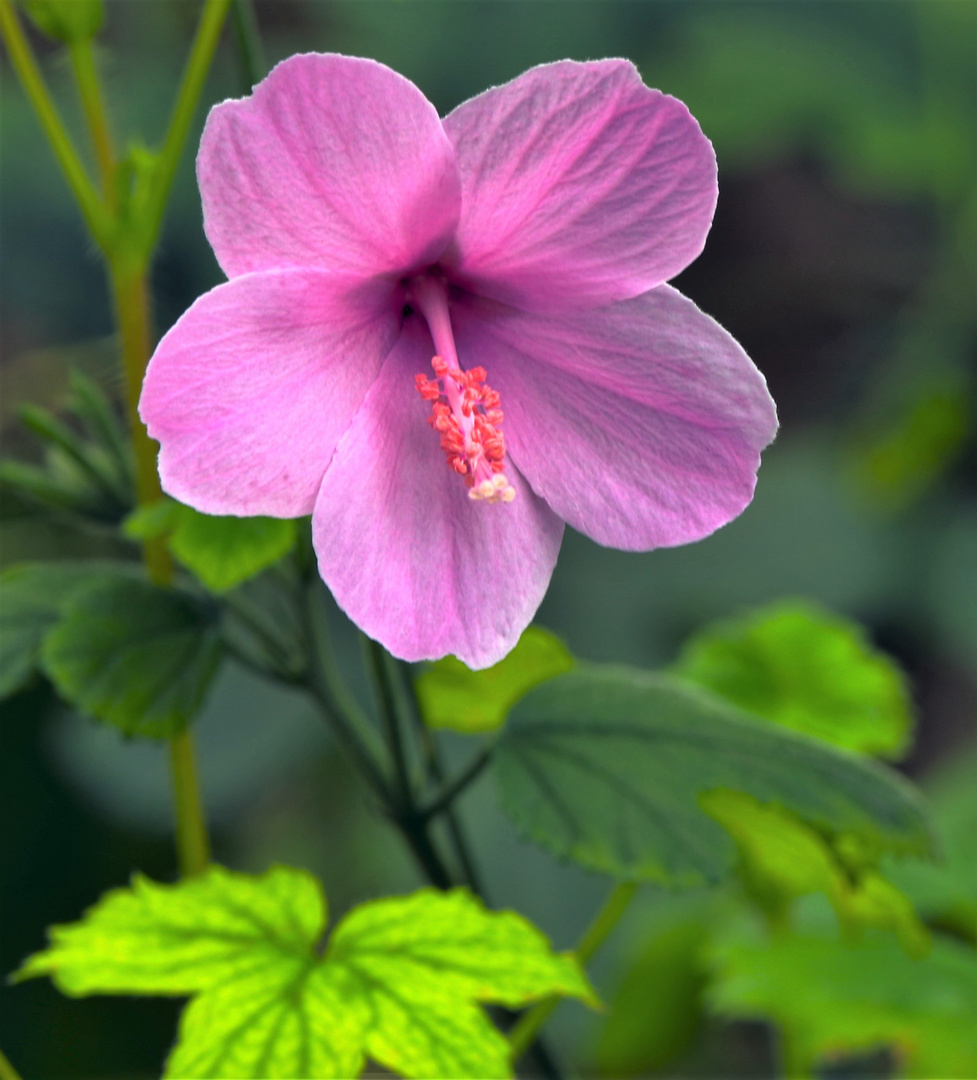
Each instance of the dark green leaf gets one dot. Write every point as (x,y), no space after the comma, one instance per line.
(134,655)
(606,766)
(451,695)
(104,426)
(795,664)
(34,597)
(92,459)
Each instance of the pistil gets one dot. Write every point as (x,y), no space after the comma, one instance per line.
(464,408)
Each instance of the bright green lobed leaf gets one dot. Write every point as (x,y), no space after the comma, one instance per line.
(180,939)
(134,655)
(605,766)
(799,666)
(399,981)
(451,695)
(221,551)
(33,597)
(837,998)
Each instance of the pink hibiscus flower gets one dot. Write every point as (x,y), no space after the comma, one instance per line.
(497,276)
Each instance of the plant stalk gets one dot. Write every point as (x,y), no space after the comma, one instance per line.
(606,919)
(86,76)
(251,52)
(130,294)
(96,215)
(192,843)
(198,64)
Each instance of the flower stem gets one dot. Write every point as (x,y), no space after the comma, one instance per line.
(413,823)
(341,709)
(444,799)
(86,76)
(194,74)
(93,210)
(377,662)
(436,775)
(607,918)
(192,844)
(130,294)
(249,42)
(7,1071)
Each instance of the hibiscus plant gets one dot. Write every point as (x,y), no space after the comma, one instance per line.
(441,339)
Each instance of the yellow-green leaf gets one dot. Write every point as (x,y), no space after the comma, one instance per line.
(782,857)
(453,696)
(221,551)
(400,979)
(836,998)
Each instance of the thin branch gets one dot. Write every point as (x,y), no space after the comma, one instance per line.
(93,210)
(194,75)
(444,799)
(527,1030)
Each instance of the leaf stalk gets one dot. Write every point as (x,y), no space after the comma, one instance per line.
(606,919)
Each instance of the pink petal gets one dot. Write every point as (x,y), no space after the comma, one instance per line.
(580,185)
(640,423)
(333,162)
(410,558)
(251,390)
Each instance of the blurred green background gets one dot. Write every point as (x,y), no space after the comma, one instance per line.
(843,258)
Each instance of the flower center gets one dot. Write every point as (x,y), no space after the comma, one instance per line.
(464,409)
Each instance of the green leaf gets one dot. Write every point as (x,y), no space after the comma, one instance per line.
(657,1009)
(221,551)
(783,858)
(399,980)
(35,596)
(835,998)
(606,766)
(86,456)
(453,696)
(946,892)
(92,406)
(67,20)
(799,666)
(134,655)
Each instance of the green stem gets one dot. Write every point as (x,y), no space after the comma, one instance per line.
(436,775)
(794,1064)
(413,824)
(249,42)
(339,706)
(194,74)
(192,845)
(444,799)
(7,1071)
(130,294)
(86,76)
(93,210)
(607,918)
(378,659)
